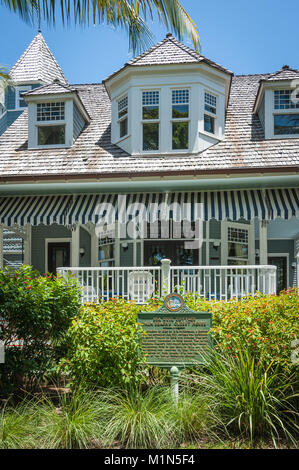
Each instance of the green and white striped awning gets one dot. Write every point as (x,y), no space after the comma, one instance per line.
(266,204)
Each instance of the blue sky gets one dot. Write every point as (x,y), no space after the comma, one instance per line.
(256,36)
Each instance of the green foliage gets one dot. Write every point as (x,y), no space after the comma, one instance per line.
(17,425)
(103,345)
(266,324)
(138,420)
(72,423)
(250,399)
(35,313)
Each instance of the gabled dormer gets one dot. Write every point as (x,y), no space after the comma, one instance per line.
(37,66)
(56,115)
(277,104)
(169,100)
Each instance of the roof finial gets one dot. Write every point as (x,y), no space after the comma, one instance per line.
(39,21)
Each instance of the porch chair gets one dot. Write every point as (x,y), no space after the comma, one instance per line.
(141,286)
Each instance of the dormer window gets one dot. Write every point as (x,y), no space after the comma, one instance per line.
(49,132)
(180,119)
(150,120)
(123,116)
(286,121)
(210,107)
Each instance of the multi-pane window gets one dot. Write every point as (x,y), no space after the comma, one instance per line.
(50,111)
(106,253)
(210,106)
(237,239)
(285,99)
(150,118)
(180,119)
(123,116)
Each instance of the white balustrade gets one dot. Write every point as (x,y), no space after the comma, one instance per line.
(140,283)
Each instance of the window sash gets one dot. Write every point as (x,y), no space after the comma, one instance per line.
(283,124)
(283,100)
(53,111)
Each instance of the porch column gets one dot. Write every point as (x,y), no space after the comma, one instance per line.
(94,246)
(27,244)
(263,242)
(75,257)
(1,246)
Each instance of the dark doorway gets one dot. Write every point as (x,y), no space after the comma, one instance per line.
(58,256)
(155,251)
(282,278)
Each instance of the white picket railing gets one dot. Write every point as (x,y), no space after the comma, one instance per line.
(140,283)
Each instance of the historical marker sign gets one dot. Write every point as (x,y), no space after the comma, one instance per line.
(175,334)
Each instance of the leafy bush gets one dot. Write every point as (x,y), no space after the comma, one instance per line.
(265,324)
(103,345)
(35,313)
(250,399)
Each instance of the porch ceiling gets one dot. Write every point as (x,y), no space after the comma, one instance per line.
(265,204)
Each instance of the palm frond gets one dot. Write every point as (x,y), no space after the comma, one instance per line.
(130,15)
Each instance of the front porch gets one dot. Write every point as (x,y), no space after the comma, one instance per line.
(221,244)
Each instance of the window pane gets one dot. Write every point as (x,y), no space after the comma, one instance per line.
(209,124)
(123,127)
(284,99)
(151,136)
(51,135)
(180,111)
(50,111)
(180,135)
(123,107)
(150,112)
(22,103)
(286,124)
(210,109)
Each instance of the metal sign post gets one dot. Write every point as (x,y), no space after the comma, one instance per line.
(176,337)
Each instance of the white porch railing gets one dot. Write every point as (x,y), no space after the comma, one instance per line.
(140,283)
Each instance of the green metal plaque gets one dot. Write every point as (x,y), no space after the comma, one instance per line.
(175,335)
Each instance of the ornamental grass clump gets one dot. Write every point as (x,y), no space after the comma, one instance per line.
(18,425)
(72,423)
(251,400)
(134,419)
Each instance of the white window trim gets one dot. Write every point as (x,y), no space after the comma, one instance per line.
(173,120)
(208,113)
(275,112)
(225,224)
(150,121)
(34,124)
(20,89)
(122,118)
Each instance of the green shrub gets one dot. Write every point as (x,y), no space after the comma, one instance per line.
(35,313)
(103,345)
(250,399)
(265,324)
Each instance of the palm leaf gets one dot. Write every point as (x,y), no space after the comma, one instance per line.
(130,15)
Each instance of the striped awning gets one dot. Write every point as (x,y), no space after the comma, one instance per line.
(266,204)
